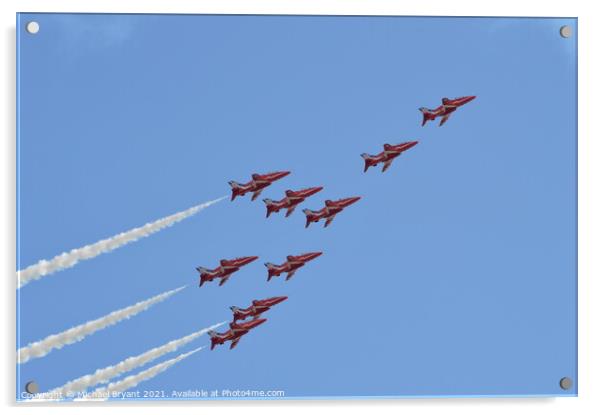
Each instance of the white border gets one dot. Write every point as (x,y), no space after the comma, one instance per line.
(590,201)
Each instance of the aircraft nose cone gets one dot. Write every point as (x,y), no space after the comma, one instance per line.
(280,299)
(354,199)
(283,173)
(252,258)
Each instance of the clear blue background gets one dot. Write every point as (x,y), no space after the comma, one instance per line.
(456,272)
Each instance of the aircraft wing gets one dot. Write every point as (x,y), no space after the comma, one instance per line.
(387,150)
(387,164)
(443,119)
(328,220)
(234,343)
(290,275)
(256,194)
(223,281)
(289,211)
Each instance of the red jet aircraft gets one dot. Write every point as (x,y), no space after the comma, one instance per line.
(329,211)
(256,185)
(445,110)
(225,270)
(256,308)
(290,201)
(237,330)
(387,156)
(292,264)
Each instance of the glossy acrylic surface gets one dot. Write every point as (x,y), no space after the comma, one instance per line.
(455,273)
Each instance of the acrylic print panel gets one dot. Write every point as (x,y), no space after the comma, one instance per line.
(453,275)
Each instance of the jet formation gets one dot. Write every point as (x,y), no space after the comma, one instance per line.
(238,330)
(292,264)
(447,107)
(291,200)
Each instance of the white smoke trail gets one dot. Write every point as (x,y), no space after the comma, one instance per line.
(56,341)
(105,374)
(69,259)
(116,388)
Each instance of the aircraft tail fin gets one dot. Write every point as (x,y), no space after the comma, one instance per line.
(235,311)
(204,275)
(366,158)
(269,204)
(212,334)
(309,216)
(271,267)
(426,115)
(236,187)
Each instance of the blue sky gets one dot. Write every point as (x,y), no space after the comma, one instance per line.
(456,272)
